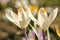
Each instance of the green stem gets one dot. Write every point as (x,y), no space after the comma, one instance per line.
(48,34)
(34,31)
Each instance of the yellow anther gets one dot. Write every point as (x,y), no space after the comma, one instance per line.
(19,10)
(34,8)
(58,32)
(43,10)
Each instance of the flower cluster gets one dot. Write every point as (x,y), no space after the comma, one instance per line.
(27,13)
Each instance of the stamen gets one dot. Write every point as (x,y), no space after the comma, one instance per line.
(43,10)
(19,10)
(34,8)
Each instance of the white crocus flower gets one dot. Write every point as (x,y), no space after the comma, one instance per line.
(13,17)
(44,20)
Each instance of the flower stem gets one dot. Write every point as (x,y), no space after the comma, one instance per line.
(43,35)
(35,31)
(25,32)
(48,34)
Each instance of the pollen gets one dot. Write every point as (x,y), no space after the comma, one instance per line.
(58,32)
(34,8)
(19,10)
(43,10)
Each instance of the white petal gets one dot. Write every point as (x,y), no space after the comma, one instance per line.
(24,23)
(20,16)
(25,19)
(31,16)
(9,16)
(45,13)
(34,13)
(52,16)
(24,13)
(41,19)
(14,16)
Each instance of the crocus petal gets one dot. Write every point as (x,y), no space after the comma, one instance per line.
(24,13)
(52,16)
(31,16)
(41,18)
(43,11)
(24,23)
(14,16)
(34,13)
(11,17)
(25,19)
(19,16)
